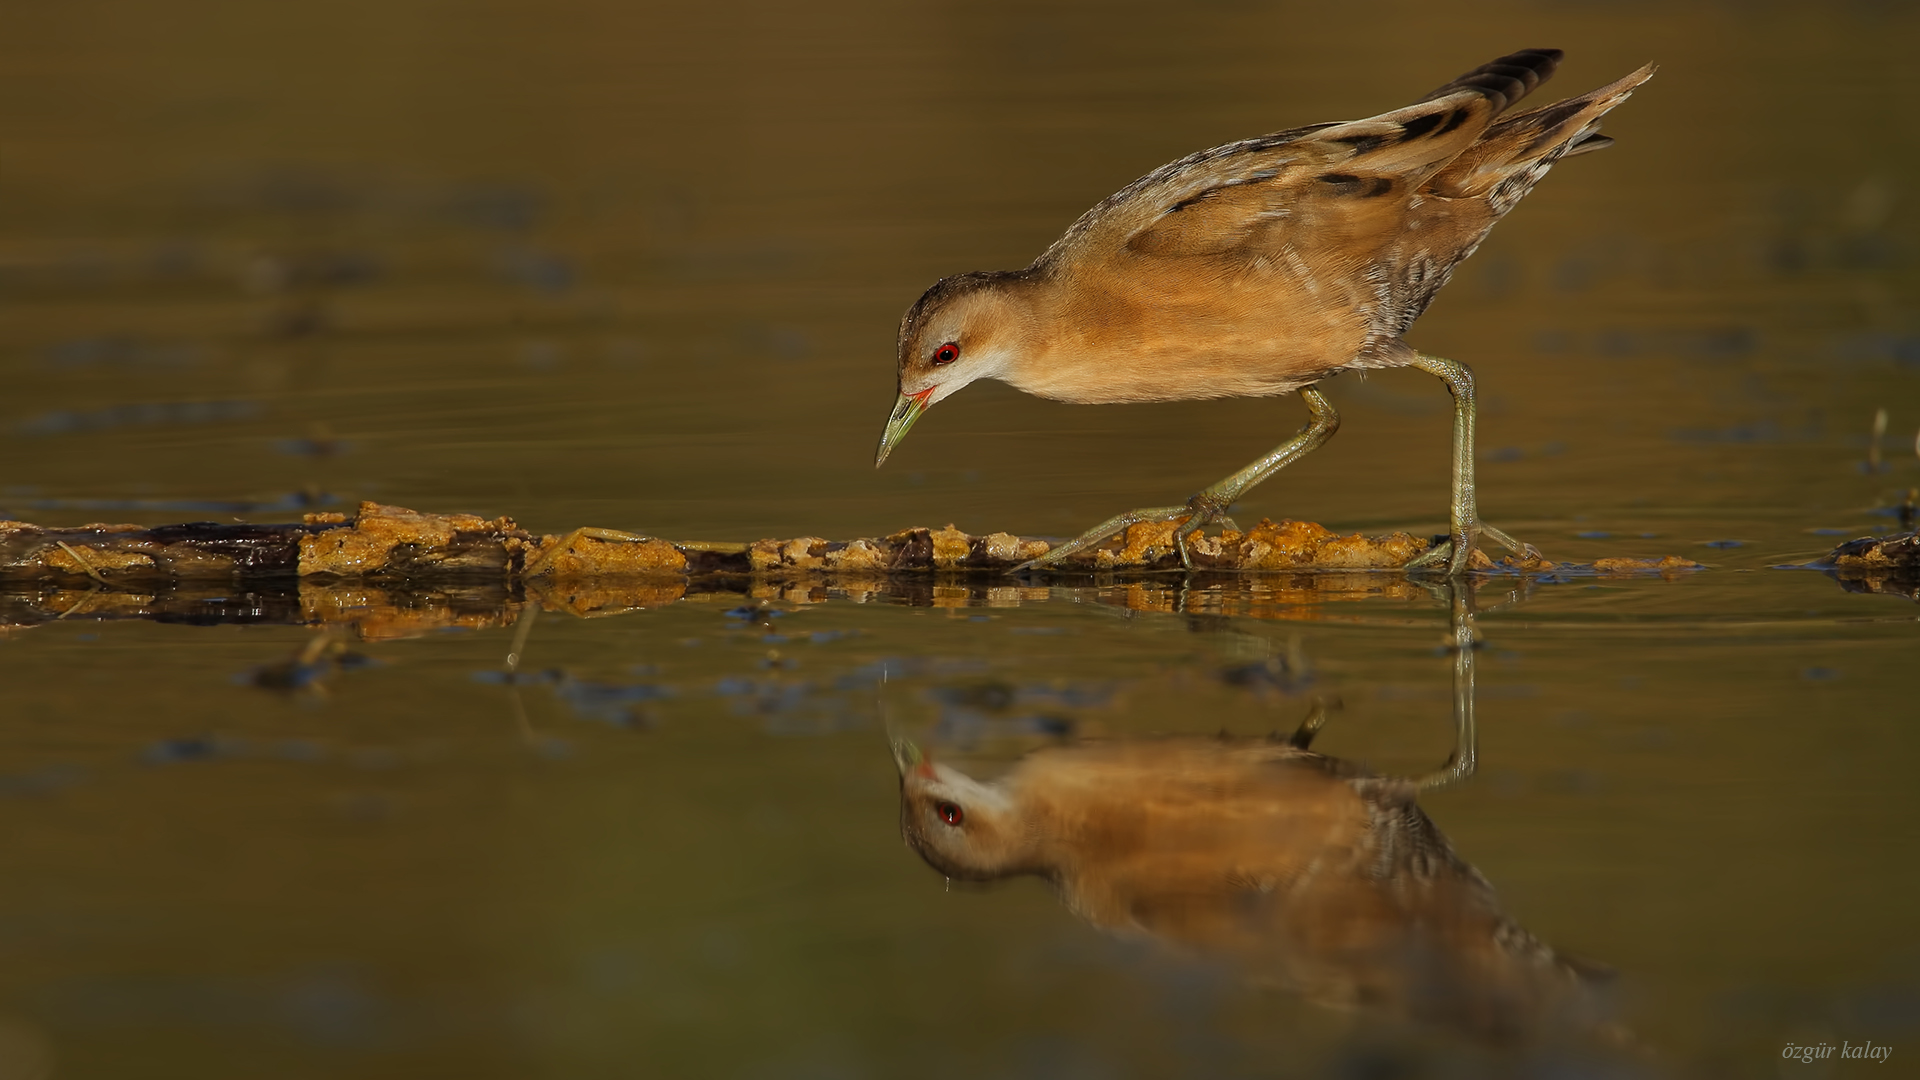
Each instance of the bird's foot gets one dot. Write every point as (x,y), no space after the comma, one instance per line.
(1456,556)
(1201,510)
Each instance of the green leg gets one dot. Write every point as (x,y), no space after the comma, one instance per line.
(1462,762)
(1211,505)
(1465,516)
(522,630)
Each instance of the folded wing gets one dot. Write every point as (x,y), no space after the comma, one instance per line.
(1341,187)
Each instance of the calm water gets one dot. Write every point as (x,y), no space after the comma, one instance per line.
(642,268)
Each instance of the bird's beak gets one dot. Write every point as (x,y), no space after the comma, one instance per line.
(909,759)
(905,412)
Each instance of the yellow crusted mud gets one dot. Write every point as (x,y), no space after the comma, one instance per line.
(391,544)
(584,555)
(370,542)
(1615,567)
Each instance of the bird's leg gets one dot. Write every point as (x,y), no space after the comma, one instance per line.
(1465,514)
(1211,504)
(1463,644)
(522,630)
(1115,524)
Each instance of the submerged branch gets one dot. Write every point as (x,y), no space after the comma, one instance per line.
(388,544)
(1877,564)
(388,572)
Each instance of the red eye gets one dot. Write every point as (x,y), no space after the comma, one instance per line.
(950,813)
(946,354)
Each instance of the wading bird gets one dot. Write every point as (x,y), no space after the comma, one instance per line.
(1312,875)
(1260,268)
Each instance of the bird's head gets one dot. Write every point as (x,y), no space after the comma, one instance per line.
(962,329)
(963,828)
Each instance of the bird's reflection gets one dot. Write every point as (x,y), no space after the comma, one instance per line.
(1314,875)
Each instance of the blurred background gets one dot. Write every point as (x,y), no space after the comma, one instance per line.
(641,266)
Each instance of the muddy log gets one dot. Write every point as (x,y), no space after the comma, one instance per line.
(388,544)
(1882,564)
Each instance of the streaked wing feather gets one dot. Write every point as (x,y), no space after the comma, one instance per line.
(1341,184)
(1180,184)
(1344,184)
(1588,142)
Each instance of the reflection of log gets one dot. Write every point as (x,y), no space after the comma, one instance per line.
(390,544)
(378,612)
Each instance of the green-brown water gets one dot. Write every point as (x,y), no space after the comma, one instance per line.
(641,267)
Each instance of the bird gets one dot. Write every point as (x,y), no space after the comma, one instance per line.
(1260,268)
(1314,876)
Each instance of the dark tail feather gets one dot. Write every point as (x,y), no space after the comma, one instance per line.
(1410,142)
(1507,79)
(1520,147)
(1588,143)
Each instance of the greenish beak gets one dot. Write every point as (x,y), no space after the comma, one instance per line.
(906,755)
(905,412)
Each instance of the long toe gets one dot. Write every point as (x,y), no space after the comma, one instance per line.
(1523,552)
(1440,555)
(1113,526)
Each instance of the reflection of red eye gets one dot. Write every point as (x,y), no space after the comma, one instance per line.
(946,354)
(950,813)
